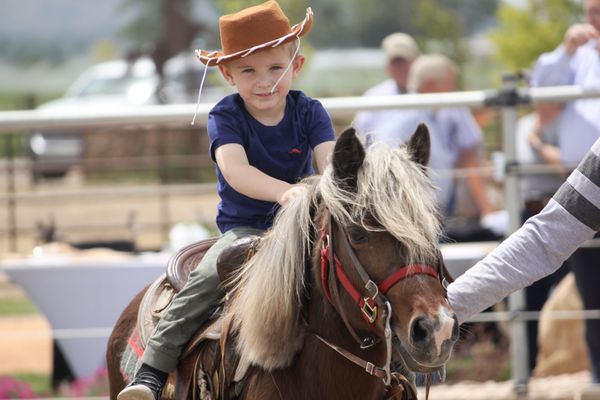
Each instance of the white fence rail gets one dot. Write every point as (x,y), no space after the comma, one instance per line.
(13,121)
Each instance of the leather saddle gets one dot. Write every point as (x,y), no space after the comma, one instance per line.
(161,292)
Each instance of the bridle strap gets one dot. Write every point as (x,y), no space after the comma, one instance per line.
(369,367)
(333,292)
(371,299)
(399,380)
(405,272)
(332,272)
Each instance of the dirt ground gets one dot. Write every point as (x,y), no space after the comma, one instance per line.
(25,340)
(25,345)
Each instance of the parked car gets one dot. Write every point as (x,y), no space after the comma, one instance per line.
(117,84)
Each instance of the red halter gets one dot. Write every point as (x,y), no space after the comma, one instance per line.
(367,303)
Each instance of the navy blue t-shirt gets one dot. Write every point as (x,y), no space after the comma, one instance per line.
(283,152)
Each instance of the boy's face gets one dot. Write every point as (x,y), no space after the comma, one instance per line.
(255,75)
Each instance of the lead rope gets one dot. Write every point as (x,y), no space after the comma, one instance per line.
(388,345)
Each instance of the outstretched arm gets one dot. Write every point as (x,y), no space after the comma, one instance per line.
(539,247)
(246,179)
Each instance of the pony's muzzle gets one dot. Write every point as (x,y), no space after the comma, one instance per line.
(434,337)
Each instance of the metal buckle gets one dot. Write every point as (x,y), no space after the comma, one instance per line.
(372,288)
(325,242)
(368,311)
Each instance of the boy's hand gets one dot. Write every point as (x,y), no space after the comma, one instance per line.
(289,194)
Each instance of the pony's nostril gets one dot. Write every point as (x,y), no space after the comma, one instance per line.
(420,330)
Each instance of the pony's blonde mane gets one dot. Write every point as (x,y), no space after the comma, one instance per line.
(266,310)
(397,193)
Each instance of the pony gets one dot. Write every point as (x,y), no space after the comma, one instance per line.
(344,296)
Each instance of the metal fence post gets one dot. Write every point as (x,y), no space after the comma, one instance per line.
(516,301)
(11,203)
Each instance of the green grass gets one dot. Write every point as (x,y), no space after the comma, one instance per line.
(23,101)
(16,306)
(40,383)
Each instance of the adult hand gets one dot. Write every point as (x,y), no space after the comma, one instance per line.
(577,35)
(291,193)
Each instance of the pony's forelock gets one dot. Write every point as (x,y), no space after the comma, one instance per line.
(396,193)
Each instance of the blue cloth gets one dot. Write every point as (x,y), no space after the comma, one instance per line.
(580,124)
(283,152)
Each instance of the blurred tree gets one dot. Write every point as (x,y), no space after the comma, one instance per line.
(163,29)
(294,9)
(146,27)
(441,27)
(525,33)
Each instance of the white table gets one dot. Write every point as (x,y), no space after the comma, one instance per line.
(82,299)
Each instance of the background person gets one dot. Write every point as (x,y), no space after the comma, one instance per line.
(456,139)
(537,140)
(400,51)
(539,247)
(577,62)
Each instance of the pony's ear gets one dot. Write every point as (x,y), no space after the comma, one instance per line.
(348,156)
(419,145)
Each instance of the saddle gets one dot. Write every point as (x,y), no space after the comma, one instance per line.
(160,294)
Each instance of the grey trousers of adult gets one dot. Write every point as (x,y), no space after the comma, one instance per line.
(191,307)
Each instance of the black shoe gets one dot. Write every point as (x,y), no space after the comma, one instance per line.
(146,385)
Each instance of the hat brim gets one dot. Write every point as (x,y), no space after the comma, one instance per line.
(213,58)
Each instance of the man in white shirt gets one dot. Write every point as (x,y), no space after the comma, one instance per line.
(400,51)
(456,139)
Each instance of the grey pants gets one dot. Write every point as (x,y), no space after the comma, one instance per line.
(191,307)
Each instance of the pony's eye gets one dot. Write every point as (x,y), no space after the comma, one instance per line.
(358,235)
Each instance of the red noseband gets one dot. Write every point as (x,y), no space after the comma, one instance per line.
(367,303)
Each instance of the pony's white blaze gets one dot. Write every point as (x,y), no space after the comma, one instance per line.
(446,327)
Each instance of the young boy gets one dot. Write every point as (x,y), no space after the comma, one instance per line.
(262,139)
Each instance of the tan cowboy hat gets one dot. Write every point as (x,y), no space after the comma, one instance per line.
(254,29)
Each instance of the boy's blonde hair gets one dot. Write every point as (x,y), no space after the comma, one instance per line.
(428,67)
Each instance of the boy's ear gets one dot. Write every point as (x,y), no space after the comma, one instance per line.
(297,65)
(226,74)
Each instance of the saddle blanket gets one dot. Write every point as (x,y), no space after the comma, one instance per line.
(131,359)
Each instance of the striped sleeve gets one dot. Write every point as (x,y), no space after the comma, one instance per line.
(580,194)
(539,247)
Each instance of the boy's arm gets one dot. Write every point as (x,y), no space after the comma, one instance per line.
(322,154)
(246,179)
